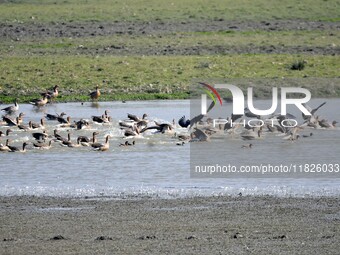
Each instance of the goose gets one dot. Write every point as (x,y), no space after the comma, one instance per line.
(324,123)
(5,148)
(160,127)
(196,120)
(235,117)
(249,114)
(199,135)
(247,146)
(44,146)
(17,149)
(280,127)
(11,109)
(105,118)
(85,141)
(180,143)
(228,125)
(182,137)
(293,134)
(251,134)
(54,117)
(183,122)
(135,118)
(67,123)
(39,102)
(142,124)
(81,124)
(139,122)
(38,125)
(40,136)
(68,142)
(59,137)
(20,118)
(292,137)
(310,134)
(312,122)
(131,144)
(132,132)
(233,129)
(271,128)
(95,94)
(312,111)
(102,146)
(7,132)
(210,131)
(62,120)
(24,127)
(124,144)
(52,94)
(124,125)
(100,119)
(127,143)
(9,121)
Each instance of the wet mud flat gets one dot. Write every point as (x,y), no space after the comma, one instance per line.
(201,225)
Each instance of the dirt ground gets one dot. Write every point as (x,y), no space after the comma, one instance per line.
(211,225)
(92,29)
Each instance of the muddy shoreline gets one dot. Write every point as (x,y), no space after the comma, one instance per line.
(201,225)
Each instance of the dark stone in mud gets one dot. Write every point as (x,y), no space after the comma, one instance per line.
(58,237)
(191,237)
(237,235)
(146,237)
(280,237)
(328,236)
(103,238)
(8,239)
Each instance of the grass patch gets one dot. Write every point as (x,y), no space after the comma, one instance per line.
(134,66)
(148,76)
(41,11)
(298,65)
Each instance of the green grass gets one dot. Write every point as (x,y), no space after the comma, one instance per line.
(30,65)
(139,76)
(41,11)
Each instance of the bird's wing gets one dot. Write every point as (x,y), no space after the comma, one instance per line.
(132,117)
(211,106)
(196,119)
(200,134)
(147,128)
(317,108)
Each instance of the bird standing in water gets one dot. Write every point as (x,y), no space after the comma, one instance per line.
(11,109)
(95,94)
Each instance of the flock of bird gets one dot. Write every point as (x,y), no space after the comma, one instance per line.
(199,128)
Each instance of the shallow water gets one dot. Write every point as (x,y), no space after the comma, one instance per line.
(155,166)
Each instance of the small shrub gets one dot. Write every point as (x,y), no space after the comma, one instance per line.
(298,65)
